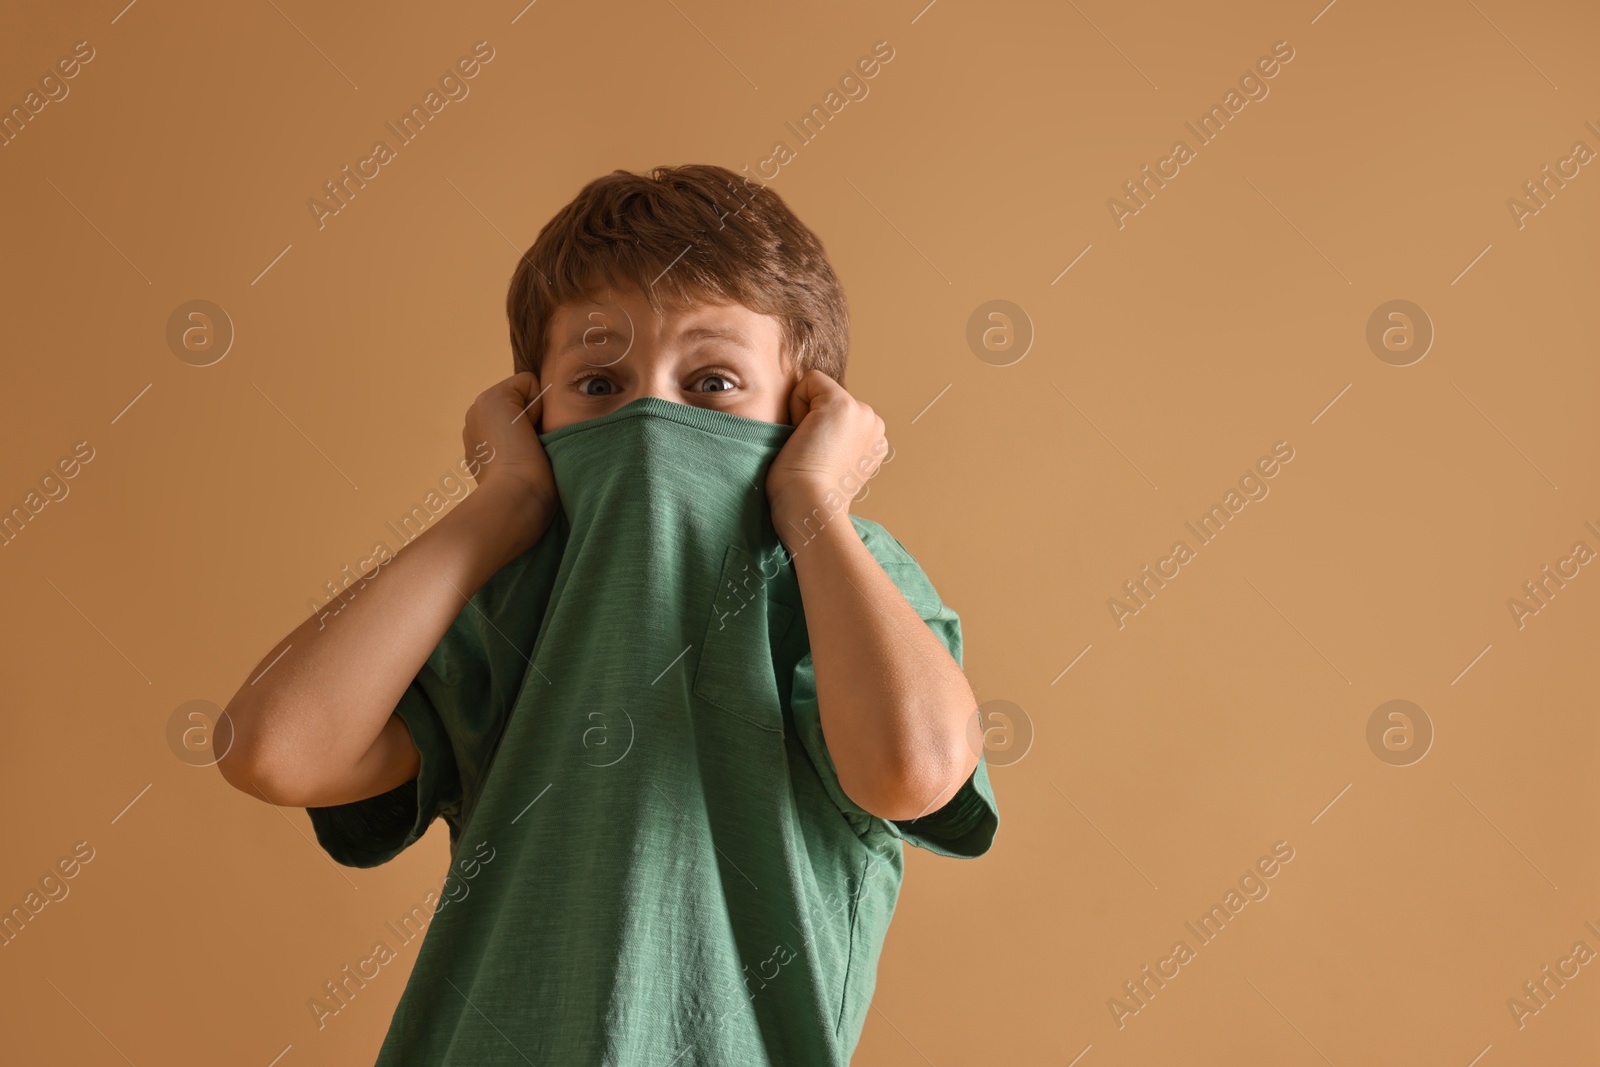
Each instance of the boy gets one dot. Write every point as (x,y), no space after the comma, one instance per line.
(687,713)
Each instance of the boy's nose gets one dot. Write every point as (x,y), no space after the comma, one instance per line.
(650,382)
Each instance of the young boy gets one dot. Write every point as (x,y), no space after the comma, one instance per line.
(678,708)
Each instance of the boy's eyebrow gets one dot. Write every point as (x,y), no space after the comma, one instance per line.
(581,334)
(705,333)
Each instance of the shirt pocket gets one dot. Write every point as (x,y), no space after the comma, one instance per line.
(736,671)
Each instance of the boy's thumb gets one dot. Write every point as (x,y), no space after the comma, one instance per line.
(800,400)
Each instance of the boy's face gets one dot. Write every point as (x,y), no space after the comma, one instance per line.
(613,349)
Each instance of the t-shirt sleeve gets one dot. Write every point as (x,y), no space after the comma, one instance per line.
(964,827)
(365,833)
(456,709)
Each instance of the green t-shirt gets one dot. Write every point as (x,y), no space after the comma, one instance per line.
(652,862)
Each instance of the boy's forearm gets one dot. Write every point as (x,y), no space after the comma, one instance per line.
(312,723)
(897,713)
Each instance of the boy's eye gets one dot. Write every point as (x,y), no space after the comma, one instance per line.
(709,384)
(588,386)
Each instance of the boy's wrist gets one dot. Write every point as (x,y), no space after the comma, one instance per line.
(509,519)
(800,515)
(797,502)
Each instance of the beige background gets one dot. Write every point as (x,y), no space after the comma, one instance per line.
(1229,314)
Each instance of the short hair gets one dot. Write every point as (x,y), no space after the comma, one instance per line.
(682,236)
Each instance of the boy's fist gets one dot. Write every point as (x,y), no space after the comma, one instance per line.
(504,415)
(837,444)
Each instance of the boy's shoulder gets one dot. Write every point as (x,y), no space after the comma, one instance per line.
(885,546)
(898,562)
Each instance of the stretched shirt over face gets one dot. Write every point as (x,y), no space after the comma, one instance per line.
(652,862)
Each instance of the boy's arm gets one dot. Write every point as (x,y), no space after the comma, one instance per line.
(315,724)
(900,720)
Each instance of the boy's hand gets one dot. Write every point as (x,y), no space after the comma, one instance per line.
(837,444)
(898,717)
(505,415)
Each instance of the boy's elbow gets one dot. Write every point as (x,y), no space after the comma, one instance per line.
(274,781)
(244,767)
(252,765)
(920,786)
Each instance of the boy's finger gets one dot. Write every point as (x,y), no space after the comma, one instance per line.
(807,394)
(525,390)
(521,387)
(798,404)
